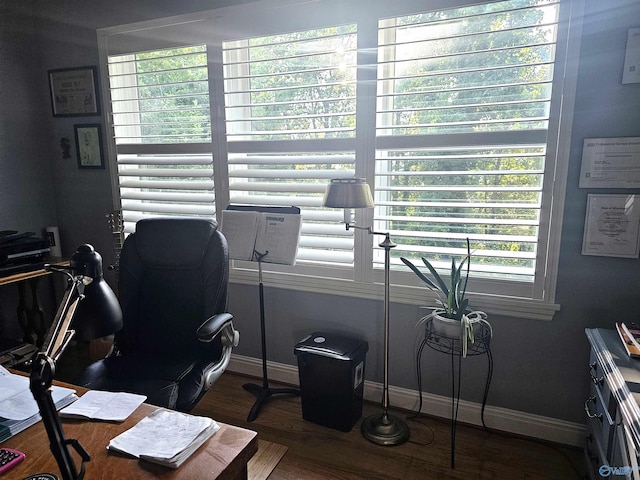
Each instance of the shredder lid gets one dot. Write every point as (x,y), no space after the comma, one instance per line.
(331,345)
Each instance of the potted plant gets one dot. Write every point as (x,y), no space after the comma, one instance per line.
(452,318)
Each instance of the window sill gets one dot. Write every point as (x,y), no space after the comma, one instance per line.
(513,307)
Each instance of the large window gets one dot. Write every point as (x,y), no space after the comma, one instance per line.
(452,116)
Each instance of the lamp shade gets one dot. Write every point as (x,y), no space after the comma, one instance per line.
(348,193)
(98,313)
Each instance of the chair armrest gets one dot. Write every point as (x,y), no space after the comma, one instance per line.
(210,329)
(213,326)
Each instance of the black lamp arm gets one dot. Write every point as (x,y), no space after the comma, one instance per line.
(42,373)
(41,379)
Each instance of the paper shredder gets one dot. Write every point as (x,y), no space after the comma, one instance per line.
(331,371)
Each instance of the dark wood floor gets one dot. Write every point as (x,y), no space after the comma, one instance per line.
(316,452)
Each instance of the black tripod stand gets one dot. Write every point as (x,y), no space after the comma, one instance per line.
(263,392)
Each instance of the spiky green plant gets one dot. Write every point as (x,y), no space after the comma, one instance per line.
(450,296)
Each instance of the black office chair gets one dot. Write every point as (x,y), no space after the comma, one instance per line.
(176,338)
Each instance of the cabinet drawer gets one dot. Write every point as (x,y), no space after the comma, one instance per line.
(596,373)
(600,422)
(612,407)
(600,408)
(596,452)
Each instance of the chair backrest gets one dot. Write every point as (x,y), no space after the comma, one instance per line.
(173,276)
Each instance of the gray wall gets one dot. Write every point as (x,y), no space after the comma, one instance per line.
(540,367)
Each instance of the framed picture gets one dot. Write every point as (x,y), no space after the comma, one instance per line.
(612,226)
(74,91)
(89,145)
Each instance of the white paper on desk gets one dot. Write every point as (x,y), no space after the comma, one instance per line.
(11,385)
(162,434)
(100,405)
(16,400)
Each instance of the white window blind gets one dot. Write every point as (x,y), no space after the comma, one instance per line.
(463,107)
(290,105)
(460,116)
(162,127)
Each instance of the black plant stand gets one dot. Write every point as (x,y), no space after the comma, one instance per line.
(263,392)
(453,347)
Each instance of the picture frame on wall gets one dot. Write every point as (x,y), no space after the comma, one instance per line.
(74,91)
(89,147)
(612,226)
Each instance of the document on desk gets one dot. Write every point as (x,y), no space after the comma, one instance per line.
(18,409)
(16,400)
(166,437)
(100,405)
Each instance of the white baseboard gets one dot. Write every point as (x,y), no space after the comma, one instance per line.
(503,419)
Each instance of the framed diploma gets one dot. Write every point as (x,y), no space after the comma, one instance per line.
(610,163)
(612,226)
(74,92)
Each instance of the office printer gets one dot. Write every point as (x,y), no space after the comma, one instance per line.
(21,252)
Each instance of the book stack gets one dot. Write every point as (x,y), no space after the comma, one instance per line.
(18,409)
(165,437)
(630,336)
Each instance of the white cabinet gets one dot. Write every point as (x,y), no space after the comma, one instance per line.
(613,414)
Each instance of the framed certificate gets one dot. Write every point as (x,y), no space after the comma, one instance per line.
(610,163)
(612,226)
(74,92)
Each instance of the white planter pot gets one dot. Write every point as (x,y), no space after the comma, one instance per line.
(444,326)
(466,330)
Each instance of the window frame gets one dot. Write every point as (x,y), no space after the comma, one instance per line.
(363,280)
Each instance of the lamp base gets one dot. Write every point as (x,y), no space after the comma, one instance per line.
(385,429)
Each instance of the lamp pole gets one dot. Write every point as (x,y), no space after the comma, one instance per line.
(384,428)
(387,244)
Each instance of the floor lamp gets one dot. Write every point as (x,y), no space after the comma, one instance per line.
(382,428)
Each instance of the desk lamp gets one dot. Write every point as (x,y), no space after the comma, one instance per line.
(383,428)
(97,313)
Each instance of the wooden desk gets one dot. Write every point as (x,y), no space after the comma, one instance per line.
(30,314)
(224,456)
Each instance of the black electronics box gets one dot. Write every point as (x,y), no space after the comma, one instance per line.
(21,252)
(331,371)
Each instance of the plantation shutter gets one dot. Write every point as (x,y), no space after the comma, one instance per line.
(463,108)
(161,122)
(290,123)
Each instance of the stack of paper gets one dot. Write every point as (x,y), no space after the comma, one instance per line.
(18,409)
(165,437)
